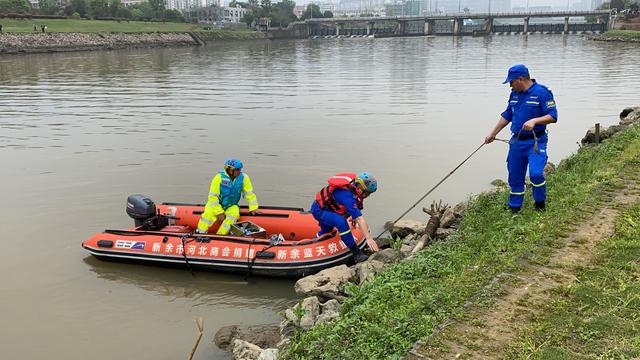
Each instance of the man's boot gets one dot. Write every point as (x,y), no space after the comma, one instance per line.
(358,255)
(539,206)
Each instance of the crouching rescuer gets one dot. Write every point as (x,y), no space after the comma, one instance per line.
(227,187)
(341,200)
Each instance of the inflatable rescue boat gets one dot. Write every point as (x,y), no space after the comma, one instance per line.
(280,241)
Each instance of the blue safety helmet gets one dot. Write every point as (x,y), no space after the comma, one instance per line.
(233,164)
(367,182)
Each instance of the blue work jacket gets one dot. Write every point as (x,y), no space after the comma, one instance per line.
(535,102)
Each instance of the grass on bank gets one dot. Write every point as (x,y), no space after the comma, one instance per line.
(383,319)
(626,34)
(72,25)
(599,315)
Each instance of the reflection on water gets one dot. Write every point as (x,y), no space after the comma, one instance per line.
(81,131)
(202,288)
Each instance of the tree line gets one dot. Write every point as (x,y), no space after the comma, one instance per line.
(280,14)
(146,10)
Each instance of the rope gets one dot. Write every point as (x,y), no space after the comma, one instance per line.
(431,190)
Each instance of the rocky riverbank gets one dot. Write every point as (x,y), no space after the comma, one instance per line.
(15,43)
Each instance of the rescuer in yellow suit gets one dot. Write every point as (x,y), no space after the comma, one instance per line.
(227,187)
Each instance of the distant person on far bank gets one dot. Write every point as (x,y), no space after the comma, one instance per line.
(530,108)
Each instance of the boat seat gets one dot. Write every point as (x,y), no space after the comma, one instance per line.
(183,229)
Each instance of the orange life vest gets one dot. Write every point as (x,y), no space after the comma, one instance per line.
(325,197)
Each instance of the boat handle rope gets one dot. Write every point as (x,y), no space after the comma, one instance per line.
(250,262)
(431,190)
(184,252)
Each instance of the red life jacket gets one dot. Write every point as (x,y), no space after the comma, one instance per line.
(327,201)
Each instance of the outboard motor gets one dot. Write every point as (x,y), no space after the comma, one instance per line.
(142,210)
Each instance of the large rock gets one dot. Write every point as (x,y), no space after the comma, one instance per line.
(626,111)
(460,208)
(327,284)
(448,218)
(386,256)
(549,168)
(367,270)
(261,335)
(631,116)
(330,311)
(243,350)
(310,309)
(268,354)
(403,228)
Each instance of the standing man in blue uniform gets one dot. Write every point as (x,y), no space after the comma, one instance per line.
(531,107)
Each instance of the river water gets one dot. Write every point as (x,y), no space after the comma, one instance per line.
(81,131)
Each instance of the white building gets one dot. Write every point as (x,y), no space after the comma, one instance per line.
(187,4)
(131,2)
(234,14)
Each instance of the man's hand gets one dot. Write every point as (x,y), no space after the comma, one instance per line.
(489,138)
(372,244)
(528,126)
(255,212)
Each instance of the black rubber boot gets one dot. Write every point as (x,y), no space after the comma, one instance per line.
(514,209)
(358,255)
(539,206)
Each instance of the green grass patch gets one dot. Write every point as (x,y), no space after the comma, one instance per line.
(383,319)
(598,317)
(627,34)
(71,25)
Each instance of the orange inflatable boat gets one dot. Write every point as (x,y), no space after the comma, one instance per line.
(279,241)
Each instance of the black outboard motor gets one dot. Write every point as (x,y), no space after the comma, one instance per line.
(142,210)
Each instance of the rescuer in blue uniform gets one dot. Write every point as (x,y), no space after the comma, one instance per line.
(341,200)
(531,107)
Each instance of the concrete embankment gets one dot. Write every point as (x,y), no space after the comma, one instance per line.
(13,43)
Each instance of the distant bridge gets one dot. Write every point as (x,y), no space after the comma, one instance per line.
(454,24)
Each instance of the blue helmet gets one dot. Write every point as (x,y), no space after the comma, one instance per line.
(367,182)
(233,164)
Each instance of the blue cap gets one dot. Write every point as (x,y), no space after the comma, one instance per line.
(516,72)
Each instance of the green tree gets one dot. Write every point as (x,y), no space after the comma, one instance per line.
(124,12)
(43,6)
(98,8)
(248,19)
(282,13)
(136,13)
(114,6)
(617,4)
(312,12)
(174,15)
(158,8)
(15,6)
(327,14)
(76,6)
(266,7)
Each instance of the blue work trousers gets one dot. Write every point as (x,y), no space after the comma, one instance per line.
(328,220)
(521,155)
